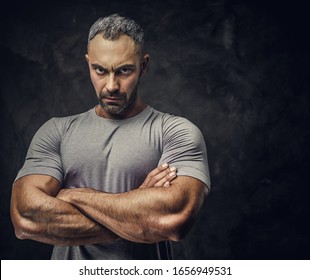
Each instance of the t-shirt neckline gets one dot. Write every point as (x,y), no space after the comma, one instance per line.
(106,120)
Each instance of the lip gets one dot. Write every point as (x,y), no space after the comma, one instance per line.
(112,99)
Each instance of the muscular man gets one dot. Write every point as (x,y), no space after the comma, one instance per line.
(116,181)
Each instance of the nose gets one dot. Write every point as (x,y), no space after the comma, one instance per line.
(112,83)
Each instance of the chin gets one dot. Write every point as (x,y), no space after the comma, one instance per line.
(113,109)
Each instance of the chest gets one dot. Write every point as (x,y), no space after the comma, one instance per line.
(110,154)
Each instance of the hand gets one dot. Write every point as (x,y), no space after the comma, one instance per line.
(160,177)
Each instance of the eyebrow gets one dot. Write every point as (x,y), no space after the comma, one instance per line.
(96,65)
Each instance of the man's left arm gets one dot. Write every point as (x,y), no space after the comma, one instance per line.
(145,215)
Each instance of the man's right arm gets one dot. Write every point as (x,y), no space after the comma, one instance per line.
(37,214)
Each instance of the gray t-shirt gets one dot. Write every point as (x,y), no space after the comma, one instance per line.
(114,156)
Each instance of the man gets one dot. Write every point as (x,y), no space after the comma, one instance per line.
(116,181)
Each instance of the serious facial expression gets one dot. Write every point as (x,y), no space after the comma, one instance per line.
(115,69)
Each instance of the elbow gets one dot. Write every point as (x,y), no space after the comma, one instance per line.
(17,221)
(21,231)
(178,236)
(178,221)
(178,226)
(182,230)
(20,234)
(23,227)
(26,229)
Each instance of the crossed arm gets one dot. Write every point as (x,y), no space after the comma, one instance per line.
(162,208)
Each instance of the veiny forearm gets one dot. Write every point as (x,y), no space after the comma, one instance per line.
(142,215)
(47,219)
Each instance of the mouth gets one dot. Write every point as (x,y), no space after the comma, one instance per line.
(112,99)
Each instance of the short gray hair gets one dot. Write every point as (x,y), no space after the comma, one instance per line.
(113,26)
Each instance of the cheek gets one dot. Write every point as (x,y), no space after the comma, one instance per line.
(98,83)
(130,84)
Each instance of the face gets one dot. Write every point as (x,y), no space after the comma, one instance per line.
(115,70)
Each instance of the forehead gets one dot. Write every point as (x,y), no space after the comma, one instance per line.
(112,52)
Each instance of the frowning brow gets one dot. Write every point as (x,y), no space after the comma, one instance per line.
(114,69)
(95,65)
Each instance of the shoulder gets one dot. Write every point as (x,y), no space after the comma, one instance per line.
(172,124)
(62,124)
(177,130)
(55,128)
(172,121)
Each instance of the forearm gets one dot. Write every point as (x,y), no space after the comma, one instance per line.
(50,220)
(142,215)
(119,213)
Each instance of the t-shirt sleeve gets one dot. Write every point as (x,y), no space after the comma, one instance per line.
(184,147)
(43,156)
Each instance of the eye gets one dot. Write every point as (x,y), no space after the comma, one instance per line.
(100,71)
(125,71)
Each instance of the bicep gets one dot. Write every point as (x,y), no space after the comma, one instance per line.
(36,183)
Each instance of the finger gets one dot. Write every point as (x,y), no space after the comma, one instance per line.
(155,172)
(165,182)
(165,176)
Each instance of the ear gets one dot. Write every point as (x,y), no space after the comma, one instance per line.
(144,63)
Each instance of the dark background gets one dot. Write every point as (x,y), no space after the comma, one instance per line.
(237,69)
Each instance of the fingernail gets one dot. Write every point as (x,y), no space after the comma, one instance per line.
(173,169)
(167,184)
(172,174)
(165,165)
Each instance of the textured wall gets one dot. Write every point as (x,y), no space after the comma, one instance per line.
(237,70)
